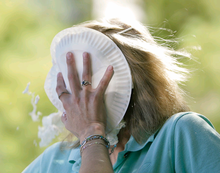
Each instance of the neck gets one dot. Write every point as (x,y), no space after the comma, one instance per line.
(123,137)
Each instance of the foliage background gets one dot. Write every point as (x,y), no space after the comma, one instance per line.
(27,28)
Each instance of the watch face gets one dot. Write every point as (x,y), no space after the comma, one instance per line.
(103,52)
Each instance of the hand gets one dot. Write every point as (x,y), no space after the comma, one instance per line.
(85,108)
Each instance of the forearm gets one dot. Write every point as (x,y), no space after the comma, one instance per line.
(95,158)
(86,114)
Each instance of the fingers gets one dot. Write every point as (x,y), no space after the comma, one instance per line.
(87,72)
(105,80)
(72,74)
(61,89)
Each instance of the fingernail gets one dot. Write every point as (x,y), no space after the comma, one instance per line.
(110,67)
(85,54)
(69,56)
(59,74)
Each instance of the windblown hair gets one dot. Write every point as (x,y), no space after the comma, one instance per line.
(155,72)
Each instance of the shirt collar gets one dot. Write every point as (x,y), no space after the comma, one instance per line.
(75,159)
(133,146)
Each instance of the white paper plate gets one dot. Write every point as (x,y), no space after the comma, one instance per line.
(103,52)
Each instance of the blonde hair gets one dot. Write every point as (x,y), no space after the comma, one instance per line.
(156,74)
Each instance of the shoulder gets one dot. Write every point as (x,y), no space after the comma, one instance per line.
(56,151)
(194,143)
(190,126)
(188,120)
(186,128)
(56,147)
(48,160)
(52,150)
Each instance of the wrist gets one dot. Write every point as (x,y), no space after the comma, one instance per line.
(94,129)
(94,141)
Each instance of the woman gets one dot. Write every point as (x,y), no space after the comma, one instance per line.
(160,134)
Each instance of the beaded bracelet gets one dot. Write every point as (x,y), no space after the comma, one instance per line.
(85,146)
(94,137)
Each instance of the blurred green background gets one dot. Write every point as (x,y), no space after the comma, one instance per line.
(27,28)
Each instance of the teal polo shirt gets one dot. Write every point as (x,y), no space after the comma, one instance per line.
(187,143)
